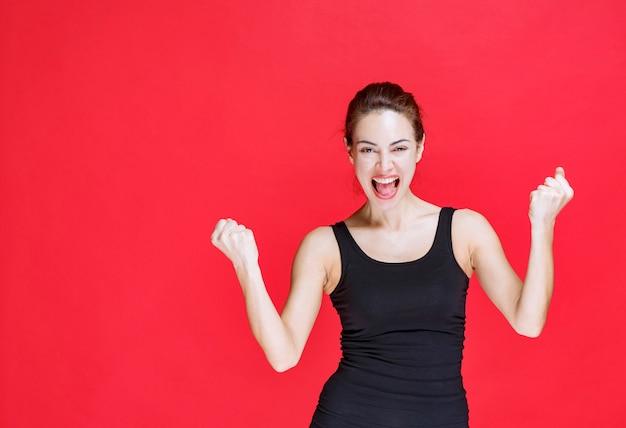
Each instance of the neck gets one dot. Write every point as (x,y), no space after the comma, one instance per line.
(394,218)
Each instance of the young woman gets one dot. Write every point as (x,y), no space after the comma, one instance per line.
(397,272)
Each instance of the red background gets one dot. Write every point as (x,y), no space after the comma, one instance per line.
(128,128)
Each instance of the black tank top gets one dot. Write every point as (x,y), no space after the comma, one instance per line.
(402,338)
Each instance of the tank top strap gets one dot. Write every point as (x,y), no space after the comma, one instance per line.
(342,235)
(443,236)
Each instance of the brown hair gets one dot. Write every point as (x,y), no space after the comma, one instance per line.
(379,97)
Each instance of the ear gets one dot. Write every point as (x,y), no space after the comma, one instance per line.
(348,149)
(420,148)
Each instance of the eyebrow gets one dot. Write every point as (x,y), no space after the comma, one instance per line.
(374,144)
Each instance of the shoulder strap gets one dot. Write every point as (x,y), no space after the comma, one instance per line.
(343,240)
(443,237)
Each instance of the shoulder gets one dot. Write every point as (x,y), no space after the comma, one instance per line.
(319,252)
(471,231)
(466,218)
(319,244)
(319,238)
(475,231)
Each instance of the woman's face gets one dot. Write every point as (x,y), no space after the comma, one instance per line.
(384,154)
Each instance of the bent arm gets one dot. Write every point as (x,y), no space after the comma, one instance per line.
(524,303)
(281,336)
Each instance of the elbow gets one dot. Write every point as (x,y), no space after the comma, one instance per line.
(531,331)
(282,368)
(283,356)
(529,325)
(532,334)
(283,364)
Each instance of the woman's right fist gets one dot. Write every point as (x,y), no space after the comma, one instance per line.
(236,242)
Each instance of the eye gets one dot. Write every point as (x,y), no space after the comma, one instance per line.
(400,149)
(366,150)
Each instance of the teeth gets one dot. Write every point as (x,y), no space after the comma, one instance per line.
(385,180)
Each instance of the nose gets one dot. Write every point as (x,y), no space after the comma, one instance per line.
(384,161)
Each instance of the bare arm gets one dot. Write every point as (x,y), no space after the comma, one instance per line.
(281,336)
(523,303)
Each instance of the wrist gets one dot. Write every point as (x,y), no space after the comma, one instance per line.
(542,224)
(542,232)
(246,268)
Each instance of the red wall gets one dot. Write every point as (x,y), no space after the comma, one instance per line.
(127,128)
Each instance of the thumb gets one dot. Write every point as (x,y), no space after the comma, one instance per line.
(559,171)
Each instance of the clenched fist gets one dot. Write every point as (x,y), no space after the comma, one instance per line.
(236,242)
(549,198)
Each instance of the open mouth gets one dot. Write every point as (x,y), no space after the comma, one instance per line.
(386,187)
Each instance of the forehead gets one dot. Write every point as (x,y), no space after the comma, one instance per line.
(383,126)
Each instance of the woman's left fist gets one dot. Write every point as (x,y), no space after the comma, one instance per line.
(549,198)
